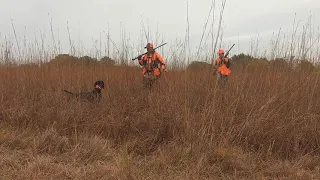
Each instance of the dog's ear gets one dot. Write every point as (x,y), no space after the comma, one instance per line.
(102,84)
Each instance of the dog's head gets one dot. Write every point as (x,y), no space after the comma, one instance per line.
(99,84)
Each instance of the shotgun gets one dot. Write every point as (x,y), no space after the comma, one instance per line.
(146,52)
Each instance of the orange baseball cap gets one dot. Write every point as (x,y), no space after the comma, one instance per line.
(221,51)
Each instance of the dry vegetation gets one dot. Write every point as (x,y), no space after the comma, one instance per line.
(265,125)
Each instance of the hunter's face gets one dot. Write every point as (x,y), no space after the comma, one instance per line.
(150,50)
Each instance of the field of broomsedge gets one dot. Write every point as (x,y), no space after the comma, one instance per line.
(264,125)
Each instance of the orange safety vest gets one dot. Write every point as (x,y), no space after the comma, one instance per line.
(151,63)
(223,69)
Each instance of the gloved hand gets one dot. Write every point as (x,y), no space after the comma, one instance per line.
(140,57)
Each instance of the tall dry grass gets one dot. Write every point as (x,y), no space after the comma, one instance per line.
(264,125)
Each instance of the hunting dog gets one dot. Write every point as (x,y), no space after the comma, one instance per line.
(94,95)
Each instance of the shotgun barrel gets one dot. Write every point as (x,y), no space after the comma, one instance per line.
(226,55)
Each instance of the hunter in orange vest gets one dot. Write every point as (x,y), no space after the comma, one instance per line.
(152,62)
(222,65)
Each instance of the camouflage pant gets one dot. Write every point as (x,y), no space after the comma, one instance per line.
(149,80)
(222,79)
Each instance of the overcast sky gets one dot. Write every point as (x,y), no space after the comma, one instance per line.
(243,19)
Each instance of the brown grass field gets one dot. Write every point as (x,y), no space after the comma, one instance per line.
(264,125)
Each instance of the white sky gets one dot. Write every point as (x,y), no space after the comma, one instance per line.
(243,19)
